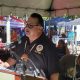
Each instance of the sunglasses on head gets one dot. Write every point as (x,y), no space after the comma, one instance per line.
(30,26)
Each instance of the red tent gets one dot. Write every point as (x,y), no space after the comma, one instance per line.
(14,22)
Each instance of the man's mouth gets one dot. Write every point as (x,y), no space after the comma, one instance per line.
(27,32)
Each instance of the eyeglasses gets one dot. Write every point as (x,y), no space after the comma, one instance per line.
(30,26)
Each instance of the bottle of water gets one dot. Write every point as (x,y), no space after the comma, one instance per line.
(20,67)
(29,71)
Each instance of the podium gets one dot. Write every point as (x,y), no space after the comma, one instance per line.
(8,75)
(28,77)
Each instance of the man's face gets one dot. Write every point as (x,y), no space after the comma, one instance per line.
(32,27)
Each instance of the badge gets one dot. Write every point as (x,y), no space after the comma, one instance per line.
(71,72)
(39,48)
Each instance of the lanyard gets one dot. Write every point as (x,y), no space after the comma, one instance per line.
(30,48)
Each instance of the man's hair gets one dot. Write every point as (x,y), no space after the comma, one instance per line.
(39,17)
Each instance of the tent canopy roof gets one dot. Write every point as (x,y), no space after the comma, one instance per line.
(34,4)
(22,7)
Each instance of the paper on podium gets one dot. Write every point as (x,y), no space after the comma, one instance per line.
(6,76)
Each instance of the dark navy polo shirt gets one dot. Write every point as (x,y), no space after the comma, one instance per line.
(43,54)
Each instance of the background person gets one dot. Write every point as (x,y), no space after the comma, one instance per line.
(62,48)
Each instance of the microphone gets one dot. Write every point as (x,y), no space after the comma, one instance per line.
(20,64)
(13,46)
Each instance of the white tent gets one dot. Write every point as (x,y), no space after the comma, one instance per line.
(23,7)
(57,7)
(74,22)
(63,23)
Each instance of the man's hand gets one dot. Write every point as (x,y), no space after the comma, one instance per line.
(1,63)
(54,76)
(4,64)
(24,57)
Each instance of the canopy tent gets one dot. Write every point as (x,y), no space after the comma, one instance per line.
(35,4)
(14,22)
(23,7)
(10,22)
(64,23)
(55,21)
(74,22)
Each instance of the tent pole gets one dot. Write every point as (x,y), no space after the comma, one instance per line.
(8,31)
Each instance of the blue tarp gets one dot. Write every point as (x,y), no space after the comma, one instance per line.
(54,21)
